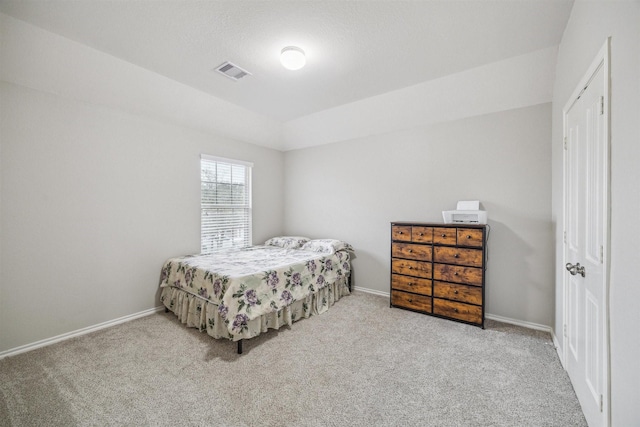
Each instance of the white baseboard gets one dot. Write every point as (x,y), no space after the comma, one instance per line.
(371,291)
(556,344)
(524,324)
(77,333)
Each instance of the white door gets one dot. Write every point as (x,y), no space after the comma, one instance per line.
(586,227)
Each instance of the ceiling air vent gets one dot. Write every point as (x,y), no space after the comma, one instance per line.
(232,71)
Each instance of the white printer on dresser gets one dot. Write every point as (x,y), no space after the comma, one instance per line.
(467,212)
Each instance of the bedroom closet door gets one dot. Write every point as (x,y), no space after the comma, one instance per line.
(586,250)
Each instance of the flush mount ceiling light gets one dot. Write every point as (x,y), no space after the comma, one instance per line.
(292,58)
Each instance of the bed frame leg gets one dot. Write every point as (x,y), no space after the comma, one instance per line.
(166,310)
(240,347)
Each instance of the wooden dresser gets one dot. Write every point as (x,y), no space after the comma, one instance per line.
(439,269)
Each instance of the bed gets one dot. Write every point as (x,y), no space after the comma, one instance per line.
(238,294)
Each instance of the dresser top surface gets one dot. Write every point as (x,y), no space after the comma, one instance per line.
(438,224)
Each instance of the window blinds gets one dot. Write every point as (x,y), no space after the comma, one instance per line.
(225,195)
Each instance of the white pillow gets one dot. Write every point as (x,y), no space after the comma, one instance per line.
(287,242)
(326,246)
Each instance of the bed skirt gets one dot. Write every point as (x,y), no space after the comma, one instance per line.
(196,312)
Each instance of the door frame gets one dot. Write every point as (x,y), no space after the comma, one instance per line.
(603,59)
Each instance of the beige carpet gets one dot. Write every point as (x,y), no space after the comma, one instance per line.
(360,364)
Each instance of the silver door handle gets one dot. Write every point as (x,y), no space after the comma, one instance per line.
(575,269)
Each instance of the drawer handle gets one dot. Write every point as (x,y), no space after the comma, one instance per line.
(455,309)
(456,256)
(411,268)
(455,274)
(410,300)
(421,234)
(399,232)
(410,250)
(411,283)
(455,292)
(444,235)
(468,236)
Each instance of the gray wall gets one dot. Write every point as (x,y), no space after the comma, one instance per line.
(588,27)
(353,190)
(93,200)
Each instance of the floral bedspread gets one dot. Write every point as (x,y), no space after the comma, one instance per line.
(250,282)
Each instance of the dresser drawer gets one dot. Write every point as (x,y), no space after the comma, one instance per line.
(462,293)
(458,274)
(422,234)
(411,284)
(411,268)
(414,302)
(470,237)
(460,256)
(407,250)
(457,310)
(401,232)
(444,235)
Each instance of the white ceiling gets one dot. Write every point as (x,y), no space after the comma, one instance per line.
(355,49)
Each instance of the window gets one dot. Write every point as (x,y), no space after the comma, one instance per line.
(225,203)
